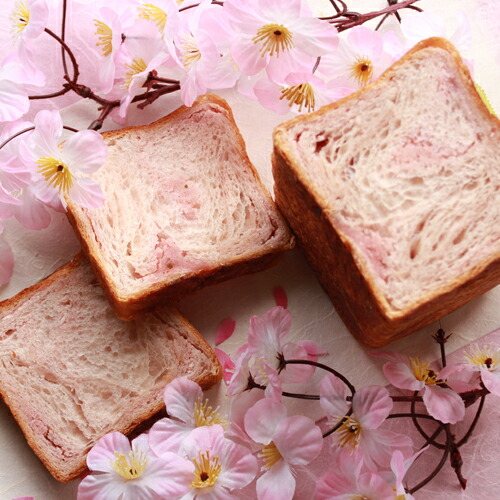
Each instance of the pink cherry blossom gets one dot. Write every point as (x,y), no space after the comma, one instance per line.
(485,361)
(360,433)
(360,57)
(186,411)
(221,466)
(300,93)
(280,36)
(6,259)
(64,171)
(120,469)
(346,479)
(286,442)
(29,18)
(412,374)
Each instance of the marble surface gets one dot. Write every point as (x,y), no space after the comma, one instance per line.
(39,253)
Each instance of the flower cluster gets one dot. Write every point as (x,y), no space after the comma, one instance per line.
(197,452)
(275,52)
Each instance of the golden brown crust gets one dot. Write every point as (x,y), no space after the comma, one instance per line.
(134,305)
(345,277)
(149,411)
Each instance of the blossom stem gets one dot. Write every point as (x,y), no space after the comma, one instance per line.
(63,36)
(473,424)
(284,362)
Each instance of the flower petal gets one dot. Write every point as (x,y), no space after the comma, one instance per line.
(13,101)
(401,376)
(180,398)
(262,420)
(371,405)
(298,439)
(85,152)
(167,435)
(6,261)
(333,394)
(225,330)
(102,454)
(47,133)
(444,404)
(87,193)
(278,483)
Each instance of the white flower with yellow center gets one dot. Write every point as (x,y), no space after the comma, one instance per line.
(63,171)
(28,18)
(486,361)
(120,469)
(362,55)
(186,410)
(281,37)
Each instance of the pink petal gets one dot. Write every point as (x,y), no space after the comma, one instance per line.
(247,56)
(167,435)
(374,486)
(491,381)
(239,380)
(100,487)
(296,373)
(266,334)
(85,152)
(333,394)
(280,297)
(225,330)
(298,440)
(102,454)
(227,364)
(32,214)
(371,405)
(87,193)
(180,397)
(48,131)
(262,420)
(314,350)
(240,466)
(14,101)
(278,483)
(444,404)
(401,376)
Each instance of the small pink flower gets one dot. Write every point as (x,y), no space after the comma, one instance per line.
(360,433)
(221,466)
(412,374)
(186,411)
(120,469)
(485,361)
(287,442)
(280,36)
(346,479)
(64,171)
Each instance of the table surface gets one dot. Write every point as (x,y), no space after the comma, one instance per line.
(38,253)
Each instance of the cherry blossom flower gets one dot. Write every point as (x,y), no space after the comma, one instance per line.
(412,374)
(485,361)
(6,259)
(220,465)
(359,59)
(130,471)
(346,479)
(280,36)
(301,92)
(29,18)
(186,411)
(360,433)
(63,171)
(286,442)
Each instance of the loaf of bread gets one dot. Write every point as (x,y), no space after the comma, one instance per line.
(70,371)
(394,194)
(184,208)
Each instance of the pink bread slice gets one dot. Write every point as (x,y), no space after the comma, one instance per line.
(70,371)
(394,194)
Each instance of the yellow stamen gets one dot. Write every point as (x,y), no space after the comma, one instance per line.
(301,95)
(20,17)
(485,357)
(131,467)
(349,433)
(485,99)
(105,36)
(190,51)
(136,66)
(423,372)
(270,454)
(362,70)
(205,415)
(274,38)
(153,13)
(56,173)
(206,470)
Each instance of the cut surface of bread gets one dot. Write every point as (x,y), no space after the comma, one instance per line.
(70,371)
(184,208)
(394,193)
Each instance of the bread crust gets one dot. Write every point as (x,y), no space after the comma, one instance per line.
(345,277)
(151,409)
(131,306)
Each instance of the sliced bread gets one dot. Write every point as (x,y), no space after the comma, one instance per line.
(184,208)
(394,194)
(70,371)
